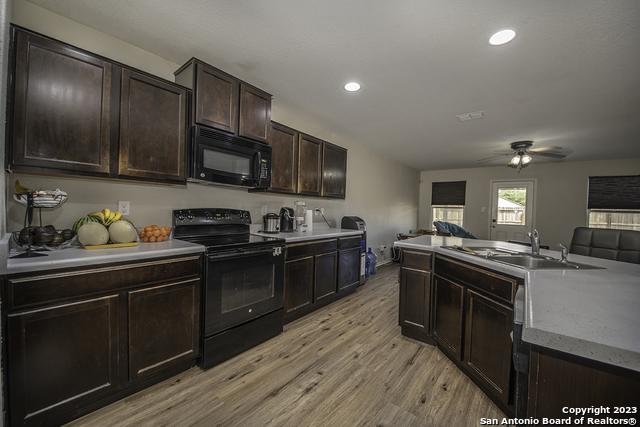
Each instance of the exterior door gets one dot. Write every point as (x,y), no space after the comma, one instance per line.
(512,210)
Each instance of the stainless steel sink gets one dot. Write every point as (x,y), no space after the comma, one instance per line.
(521,259)
(532,262)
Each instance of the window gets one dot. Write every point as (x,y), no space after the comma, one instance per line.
(614,202)
(619,220)
(447,201)
(512,206)
(452,214)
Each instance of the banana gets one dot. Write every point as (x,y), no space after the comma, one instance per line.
(100,216)
(106,212)
(117,216)
(21,188)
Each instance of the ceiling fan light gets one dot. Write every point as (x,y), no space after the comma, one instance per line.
(515,161)
(525,160)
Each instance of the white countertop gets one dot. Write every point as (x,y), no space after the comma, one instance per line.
(315,234)
(594,314)
(78,257)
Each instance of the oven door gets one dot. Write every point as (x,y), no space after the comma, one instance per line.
(242,285)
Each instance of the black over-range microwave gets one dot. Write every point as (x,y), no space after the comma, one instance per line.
(219,158)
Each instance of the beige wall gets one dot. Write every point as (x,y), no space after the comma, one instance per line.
(383,192)
(561,194)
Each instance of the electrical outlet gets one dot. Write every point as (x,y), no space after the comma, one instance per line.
(124,207)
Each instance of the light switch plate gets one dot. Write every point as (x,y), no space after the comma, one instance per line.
(123,207)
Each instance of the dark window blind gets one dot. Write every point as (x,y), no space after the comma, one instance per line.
(448,193)
(614,192)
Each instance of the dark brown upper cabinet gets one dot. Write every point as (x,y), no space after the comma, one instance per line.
(334,171)
(224,102)
(152,128)
(309,165)
(61,114)
(72,112)
(255,113)
(284,158)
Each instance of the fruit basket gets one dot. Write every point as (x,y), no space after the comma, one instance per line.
(105,229)
(155,234)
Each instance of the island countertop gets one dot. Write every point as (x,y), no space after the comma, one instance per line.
(78,257)
(588,313)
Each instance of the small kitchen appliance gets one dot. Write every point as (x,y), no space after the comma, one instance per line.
(287,220)
(270,223)
(357,223)
(219,158)
(243,281)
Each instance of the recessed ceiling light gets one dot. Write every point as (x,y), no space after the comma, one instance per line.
(502,37)
(352,87)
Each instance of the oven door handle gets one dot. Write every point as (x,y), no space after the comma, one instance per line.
(275,251)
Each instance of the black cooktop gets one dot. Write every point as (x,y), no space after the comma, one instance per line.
(218,229)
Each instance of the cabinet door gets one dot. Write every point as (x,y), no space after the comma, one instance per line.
(334,171)
(415,299)
(348,268)
(164,327)
(216,102)
(449,303)
(309,165)
(284,158)
(61,107)
(326,275)
(152,128)
(255,113)
(487,342)
(298,284)
(63,358)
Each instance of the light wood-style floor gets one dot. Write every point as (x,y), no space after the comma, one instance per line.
(344,365)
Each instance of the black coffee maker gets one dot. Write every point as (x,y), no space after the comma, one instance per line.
(287,220)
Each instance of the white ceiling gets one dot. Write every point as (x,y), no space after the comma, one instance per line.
(571,78)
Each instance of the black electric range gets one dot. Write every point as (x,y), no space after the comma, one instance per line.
(244,280)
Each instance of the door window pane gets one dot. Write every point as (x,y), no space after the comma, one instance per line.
(617,220)
(512,206)
(452,214)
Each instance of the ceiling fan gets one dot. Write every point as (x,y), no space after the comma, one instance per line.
(522,154)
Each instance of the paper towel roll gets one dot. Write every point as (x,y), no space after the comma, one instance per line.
(308,219)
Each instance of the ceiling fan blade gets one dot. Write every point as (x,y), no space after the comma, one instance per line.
(493,158)
(549,155)
(545,149)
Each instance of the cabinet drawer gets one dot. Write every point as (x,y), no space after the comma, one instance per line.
(503,287)
(305,249)
(416,260)
(349,242)
(33,290)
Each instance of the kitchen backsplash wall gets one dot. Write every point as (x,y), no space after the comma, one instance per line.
(380,190)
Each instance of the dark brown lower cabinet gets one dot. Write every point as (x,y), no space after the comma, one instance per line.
(558,380)
(487,343)
(416,293)
(163,326)
(314,272)
(61,358)
(415,299)
(96,336)
(325,276)
(448,314)
(348,268)
(298,289)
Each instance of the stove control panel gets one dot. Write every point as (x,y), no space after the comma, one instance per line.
(212,216)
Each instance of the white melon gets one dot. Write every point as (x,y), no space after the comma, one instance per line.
(93,233)
(122,232)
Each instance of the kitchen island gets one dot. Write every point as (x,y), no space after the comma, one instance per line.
(580,317)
